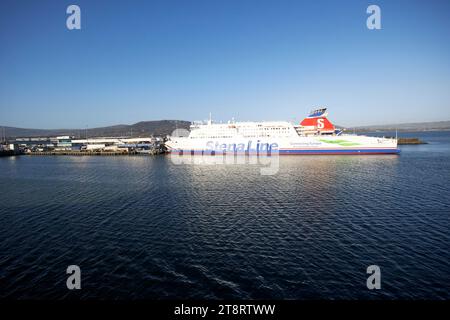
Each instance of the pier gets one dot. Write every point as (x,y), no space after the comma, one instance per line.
(98,146)
(7,153)
(407,141)
(92,153)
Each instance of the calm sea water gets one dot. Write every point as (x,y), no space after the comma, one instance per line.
(143,227)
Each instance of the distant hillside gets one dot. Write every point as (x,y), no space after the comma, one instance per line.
(143,128)
(166,127)
(418,126)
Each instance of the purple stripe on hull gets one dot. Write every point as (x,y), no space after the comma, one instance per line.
(297,152)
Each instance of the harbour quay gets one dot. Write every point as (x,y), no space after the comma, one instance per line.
(67,145)
(9,149)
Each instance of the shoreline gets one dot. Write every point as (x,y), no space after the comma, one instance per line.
(80,153)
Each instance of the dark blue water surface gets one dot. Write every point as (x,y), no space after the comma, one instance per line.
(144,227)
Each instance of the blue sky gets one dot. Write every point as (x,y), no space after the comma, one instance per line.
(251,60)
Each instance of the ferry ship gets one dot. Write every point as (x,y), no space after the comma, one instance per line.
(314,135)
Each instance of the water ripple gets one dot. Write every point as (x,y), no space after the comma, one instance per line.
(142,227)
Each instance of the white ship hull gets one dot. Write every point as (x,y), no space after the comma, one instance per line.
(342,144)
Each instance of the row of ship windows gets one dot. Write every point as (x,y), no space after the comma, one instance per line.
(244,135)
(245,132)
(265,129)
(210,137)
(253,129)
